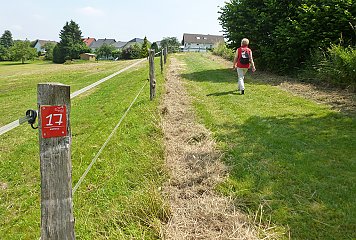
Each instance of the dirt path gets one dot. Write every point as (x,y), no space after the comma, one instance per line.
(195,168)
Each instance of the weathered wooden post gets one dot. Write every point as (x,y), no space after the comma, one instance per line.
(152,74)
(57,220)
(161,61)
(165,55)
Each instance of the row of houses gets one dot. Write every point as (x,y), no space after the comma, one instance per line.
(94,44)
(190,42)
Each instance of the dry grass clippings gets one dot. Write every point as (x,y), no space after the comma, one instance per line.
(197,211)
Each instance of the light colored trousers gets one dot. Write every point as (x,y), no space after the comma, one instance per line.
(241,76)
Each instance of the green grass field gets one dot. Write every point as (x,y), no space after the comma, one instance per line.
(120,197)
(292,160)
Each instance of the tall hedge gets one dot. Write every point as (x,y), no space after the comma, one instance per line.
(284,33)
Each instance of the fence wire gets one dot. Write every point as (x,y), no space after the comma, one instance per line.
(106,142)
(18,122)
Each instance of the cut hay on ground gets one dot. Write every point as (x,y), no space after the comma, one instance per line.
(198,212)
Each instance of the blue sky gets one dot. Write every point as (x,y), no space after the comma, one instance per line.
(120,19)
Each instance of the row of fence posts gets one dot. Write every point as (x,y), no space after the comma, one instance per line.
(54,107)
(163,61)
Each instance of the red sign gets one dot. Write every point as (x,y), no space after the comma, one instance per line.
(53,121)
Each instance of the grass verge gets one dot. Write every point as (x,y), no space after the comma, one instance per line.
(292,160)
(120,197)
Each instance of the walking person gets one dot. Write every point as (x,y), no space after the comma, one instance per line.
(242,62)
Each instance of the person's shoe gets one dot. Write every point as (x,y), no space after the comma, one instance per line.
(242,92)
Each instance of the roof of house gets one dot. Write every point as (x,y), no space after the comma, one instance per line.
(119,44)
(88,41)
(98,43)
(88,54)
(43,42)
(136,40)
(201,38)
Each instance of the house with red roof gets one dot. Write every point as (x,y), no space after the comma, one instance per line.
(88,41)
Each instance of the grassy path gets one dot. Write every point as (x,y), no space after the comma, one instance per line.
(293,161)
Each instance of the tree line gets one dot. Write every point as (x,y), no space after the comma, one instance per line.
(71,46)
(15,50)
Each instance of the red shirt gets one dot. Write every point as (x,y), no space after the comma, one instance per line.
(239,53)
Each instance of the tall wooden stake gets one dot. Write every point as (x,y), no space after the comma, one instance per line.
(152,74)
(161,61)
(57,220)
(165,55)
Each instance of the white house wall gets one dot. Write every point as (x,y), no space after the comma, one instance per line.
(38,47)
(197,47)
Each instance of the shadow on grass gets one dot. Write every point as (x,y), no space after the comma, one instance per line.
(301,168)
(215,76)
(341,100)
(229,75)
(216,94)
(14,64)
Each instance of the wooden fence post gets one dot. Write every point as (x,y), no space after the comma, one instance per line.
(165,55)
(152,74)
(161,61)
(57,220)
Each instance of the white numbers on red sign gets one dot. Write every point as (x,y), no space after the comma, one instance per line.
(54,117)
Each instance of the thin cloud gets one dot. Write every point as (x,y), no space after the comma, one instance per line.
(90,11)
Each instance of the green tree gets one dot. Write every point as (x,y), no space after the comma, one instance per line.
(171,43)
(105,51)
(71,44)
(155,47)
(132,52)
(117,54)
(58,56)
(6,42)
(6,39)
(144,48)
(48,47)
(285,33)
(23,51)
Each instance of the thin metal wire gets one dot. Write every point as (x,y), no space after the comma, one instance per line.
(106,142)
(18,122)
(83,90)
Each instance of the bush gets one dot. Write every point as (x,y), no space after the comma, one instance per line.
(336,66)
(132,52)
(58,56)
(222,50)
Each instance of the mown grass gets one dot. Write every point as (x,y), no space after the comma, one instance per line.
(292,160)
(120,197)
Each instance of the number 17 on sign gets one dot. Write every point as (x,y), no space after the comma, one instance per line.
(53,121)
